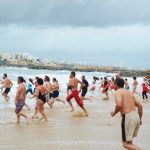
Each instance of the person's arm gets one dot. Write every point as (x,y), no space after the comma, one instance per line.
(11,84)
(1,82)
(81,85)
(140,109)
(36,93)
(118,99)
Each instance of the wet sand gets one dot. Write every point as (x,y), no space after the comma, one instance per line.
(65,132)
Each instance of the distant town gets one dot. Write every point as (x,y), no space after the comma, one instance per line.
(31,62)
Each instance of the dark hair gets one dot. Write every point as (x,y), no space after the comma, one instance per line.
(126,79)
(119,82)
(54,79)
(36,78)
(40,81)
(73,73)
(134,78)
(31,81)
(21,79)
(5,75)
(47,78)
(83,77)
(105,78)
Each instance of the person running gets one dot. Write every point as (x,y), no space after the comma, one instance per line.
(7,85)
(48,87)
(20,99)
(144,89)
(55,93)
(93,86)
(111,86)
(105,88)
(73,83)
(84,89)
(30,87)
(126,104)
(39,94)
(126,84)
(101,84)
(135,84)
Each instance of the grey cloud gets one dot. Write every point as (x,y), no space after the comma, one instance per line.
(98,13)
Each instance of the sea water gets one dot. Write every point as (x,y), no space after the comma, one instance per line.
(62,76)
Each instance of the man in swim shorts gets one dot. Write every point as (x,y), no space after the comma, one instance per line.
(20,99)
(7,84)
(126,104)
(73,83)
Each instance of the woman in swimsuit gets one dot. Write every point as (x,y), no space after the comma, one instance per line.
(55,94)
(41,98)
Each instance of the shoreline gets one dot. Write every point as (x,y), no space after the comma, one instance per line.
(126,73)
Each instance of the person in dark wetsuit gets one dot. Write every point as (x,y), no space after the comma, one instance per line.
(84,89)
(41,98)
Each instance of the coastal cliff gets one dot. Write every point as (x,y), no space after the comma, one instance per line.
(20,60)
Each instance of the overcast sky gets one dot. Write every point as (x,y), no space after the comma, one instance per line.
(99,32)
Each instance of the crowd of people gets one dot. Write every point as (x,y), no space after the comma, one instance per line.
(45,91)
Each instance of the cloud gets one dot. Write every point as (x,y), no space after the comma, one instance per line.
(128,45)
(98,13)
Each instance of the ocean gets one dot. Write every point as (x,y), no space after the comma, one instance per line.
(62,77)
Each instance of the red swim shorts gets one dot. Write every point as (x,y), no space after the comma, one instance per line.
(75,94)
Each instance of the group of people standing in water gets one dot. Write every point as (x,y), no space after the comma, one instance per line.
(43,91)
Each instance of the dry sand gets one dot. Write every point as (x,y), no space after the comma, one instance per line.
(65,132)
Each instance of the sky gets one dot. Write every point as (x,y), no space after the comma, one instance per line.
(97,32)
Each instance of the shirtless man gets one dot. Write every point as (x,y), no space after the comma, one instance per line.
(7,84)
(73,83)
(126,104)
(20,99)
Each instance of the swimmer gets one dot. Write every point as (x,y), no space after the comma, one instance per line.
(20,99)
(84,89)
(75,93)
(135,84)
(126,104)
(55,93)
(39,94)
(7,84)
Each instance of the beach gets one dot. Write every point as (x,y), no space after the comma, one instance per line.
(64,131)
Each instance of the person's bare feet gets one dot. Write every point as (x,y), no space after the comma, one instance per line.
(72,110)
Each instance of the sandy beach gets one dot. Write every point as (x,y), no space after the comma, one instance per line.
(65,132)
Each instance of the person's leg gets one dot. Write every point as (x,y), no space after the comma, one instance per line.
(107,95)
(146,95)
(27,106)
(143,95)
(80,103)
(36,110)
(18,119)
(27,91)
(23,115)
(69,97)
(5,97)
(41,109)
(130,146)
